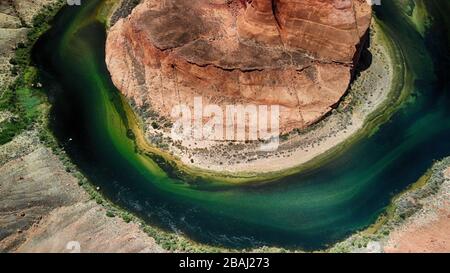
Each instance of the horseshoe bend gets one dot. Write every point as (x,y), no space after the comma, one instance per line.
(95,98)
(298,54)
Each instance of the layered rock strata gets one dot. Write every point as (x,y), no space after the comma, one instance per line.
(297,54)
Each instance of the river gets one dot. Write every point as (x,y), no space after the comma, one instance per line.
(309,210)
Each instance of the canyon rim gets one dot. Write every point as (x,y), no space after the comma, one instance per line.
(297,54)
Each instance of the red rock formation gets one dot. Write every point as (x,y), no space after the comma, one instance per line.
(329,30)
(294,53)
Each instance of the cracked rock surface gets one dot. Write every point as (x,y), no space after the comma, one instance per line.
(294,53)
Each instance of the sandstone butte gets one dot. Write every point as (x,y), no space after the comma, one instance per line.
(298,54)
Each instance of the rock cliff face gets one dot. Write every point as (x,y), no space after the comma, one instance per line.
(294,53)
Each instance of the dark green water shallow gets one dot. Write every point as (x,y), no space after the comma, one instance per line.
(309,210)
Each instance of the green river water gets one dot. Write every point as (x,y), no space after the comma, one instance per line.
(309,210)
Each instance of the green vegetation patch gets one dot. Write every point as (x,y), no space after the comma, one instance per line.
(24,97)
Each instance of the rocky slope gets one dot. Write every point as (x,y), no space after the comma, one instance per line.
(42,207)
(16,17)
(294,53)
(428,229)
(12,31)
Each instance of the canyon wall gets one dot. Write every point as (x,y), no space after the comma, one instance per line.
(294,53)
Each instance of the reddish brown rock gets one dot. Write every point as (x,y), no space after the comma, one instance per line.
(294,53)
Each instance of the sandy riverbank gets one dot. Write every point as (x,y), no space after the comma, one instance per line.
(428,230)
(354,117)
(367,93)
(417,220)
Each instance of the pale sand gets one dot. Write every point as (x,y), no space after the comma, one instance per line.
(43,209)
(428,230)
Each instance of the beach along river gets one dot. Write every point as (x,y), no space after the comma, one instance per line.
(309,210)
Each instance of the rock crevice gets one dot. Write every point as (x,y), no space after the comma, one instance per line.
(295,53)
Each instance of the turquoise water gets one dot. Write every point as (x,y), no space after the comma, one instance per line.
(309,210)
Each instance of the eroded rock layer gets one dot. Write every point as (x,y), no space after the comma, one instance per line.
(294,53)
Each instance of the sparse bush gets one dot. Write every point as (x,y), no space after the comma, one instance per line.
(110,214)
